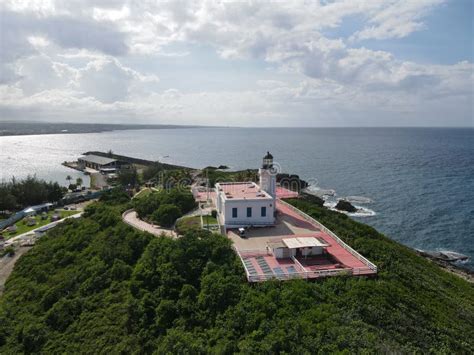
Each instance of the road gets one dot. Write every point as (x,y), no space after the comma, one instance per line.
(28,234)
(130,217)
(7,263)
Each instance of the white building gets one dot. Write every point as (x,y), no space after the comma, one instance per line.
(294,247)
(244,204)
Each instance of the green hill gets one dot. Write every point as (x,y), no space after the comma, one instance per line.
(96,285)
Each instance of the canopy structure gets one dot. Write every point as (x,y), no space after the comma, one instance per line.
(303,242)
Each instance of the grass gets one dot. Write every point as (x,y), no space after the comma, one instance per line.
(143,193)
(188,223)
(22,227)
(209,220)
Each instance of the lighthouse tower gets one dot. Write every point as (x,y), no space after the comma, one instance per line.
(267,175)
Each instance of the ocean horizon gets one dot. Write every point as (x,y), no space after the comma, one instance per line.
(414,184)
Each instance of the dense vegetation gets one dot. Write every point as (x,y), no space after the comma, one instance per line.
(168,178)
(215,175)
(292,182)
(17,194)
(96,285)
(166,206)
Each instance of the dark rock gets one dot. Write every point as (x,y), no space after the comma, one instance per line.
(291,182)
(343,205)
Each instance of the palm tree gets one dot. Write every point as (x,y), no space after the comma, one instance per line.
(79,181)
(69,178)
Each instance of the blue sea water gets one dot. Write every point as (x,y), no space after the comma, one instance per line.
(421,180)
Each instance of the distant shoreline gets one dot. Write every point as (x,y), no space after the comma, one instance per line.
(24,128)
(8,129)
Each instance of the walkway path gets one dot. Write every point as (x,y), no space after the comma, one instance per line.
(130,217)
(6,265)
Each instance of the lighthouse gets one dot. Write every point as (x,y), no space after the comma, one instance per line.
(267,175)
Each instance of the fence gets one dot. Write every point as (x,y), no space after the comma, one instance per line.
(310,219)
(301,273)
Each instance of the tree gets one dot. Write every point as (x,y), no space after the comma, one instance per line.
(55,192)
(152,171)
(166,215)
(79,181)
(7,200)
(68,179)
(128,177)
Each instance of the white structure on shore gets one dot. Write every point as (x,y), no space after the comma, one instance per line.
(267,175)
(244,204)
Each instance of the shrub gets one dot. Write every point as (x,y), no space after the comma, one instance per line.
(166,215)
(10,251)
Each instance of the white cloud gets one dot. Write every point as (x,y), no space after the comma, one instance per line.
(397,20)
(66,59)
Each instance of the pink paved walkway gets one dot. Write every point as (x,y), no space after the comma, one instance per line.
(281,192)
(335,249)
(130,217)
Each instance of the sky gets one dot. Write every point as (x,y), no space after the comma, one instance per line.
(248,63)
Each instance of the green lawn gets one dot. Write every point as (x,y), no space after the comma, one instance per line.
(143,193)
(24,228)
(209,220)
(188,223)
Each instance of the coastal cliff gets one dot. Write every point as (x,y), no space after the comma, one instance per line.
(96,283)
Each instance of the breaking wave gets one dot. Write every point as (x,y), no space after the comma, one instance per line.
(361,211)
(358,199)
(323,193)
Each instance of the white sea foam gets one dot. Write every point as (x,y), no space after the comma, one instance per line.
(324,193)
(361,211)
(358,199)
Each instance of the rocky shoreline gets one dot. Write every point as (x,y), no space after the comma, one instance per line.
(450,267)
(447,265)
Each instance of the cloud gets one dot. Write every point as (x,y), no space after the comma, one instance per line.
(104,60)
(397,20)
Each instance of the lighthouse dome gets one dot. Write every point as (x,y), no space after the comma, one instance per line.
(268,156)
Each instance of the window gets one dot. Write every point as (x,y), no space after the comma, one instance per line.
(249,211)
(264,211)
(234,212)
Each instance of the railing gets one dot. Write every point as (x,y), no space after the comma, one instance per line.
(310,219)
(242,261)
(298,264)
(302,272)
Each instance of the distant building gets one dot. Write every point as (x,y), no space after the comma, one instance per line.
(100,163)
(33,210)
(244,204)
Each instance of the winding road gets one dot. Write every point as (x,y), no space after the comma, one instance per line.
(130,217)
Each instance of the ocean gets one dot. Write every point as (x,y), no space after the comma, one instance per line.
(416,185)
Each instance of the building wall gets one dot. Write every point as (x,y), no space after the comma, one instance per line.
(267,181)
(225,209)
(283,252)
